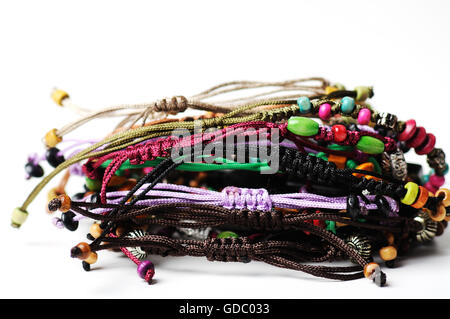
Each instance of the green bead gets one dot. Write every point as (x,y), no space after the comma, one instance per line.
(322,155)
(302,126)
(93,184)
(376,166)
(227,234)
(337,147)
(351,164)
(330,226)
(370,145)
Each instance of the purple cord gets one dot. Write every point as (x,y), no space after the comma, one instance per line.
(240,198)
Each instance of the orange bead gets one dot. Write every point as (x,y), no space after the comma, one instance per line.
(444,193)
(388,253)
(65,203)
(390,238)
(369,269)
(338,160)
(95,230)
(439,215)
(422,198)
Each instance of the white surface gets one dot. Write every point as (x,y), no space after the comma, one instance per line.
(106,52)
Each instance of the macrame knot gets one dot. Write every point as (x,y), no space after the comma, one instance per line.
(246,198)
(228,249)
(257,220)
(174,105)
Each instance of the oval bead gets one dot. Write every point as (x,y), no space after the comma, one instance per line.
(227,234)
(436,181)
(364,116)
(303,126)
(325,111)
(347,105)
(353,208)
(388,253)
(370,145)
(304,104)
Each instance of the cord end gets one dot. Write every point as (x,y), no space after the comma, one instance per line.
(18,217)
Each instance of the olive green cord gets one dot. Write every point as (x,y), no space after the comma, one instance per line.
(133,136)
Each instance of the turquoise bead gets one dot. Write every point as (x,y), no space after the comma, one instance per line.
(304,104)
(347,105)
(370,145)
(302,126)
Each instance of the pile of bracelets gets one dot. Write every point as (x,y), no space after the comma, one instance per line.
(295,174)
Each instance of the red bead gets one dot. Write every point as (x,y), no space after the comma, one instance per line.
(418,138)
(427,146)
(408,132)
(339,132)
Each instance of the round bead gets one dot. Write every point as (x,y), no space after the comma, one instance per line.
(53,157)
(436,180)
(418,138)
(364,116)
(92,258)
(422,198)
(227,234)
(347,105)
(430,187)
(65,203)
(339,133)
(81,251)
(440,213)
(143,267)
(69,223)
(427,146)
(303,126)
(411,194)
(95,230)
(388,253)
(383,205)
(370,145)
(304,104)
(34,170)
(51,138)
(59,95)
(444,194)
(18,217)
(370,268)
(325,111)
(363,92)
(351,164)
(408,132)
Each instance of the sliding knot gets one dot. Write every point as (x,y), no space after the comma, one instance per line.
(174,105)
(228,249)
(246,198)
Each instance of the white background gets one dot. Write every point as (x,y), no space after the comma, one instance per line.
(109,52)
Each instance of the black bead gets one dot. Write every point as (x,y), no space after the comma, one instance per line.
(381,130)
(53,158)
(86,266)
(383,205)
(95,198)
(90,237)
(353,208)
(78,196)
(34,170)
(380,279)
(403,147)
(69,223)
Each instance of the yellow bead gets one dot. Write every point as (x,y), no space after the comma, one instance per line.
(388,253)
(330,89)
(18,217)
(59,95)
(51,138)
(411,194)
(92,258)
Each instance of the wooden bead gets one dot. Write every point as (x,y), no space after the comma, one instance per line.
(388,253)
(92,258)
(95,230)
(444,193)
(81,251)
(59,95)
(422,198)
(65,203)
(369,269)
